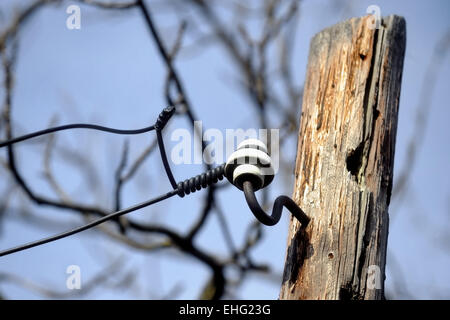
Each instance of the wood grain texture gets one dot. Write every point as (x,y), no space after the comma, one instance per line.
(344,165)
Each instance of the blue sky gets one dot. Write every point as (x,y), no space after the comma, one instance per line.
(110,73)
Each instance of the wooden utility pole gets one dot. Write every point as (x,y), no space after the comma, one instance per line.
(345,159)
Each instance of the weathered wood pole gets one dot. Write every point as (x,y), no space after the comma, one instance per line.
(345,159)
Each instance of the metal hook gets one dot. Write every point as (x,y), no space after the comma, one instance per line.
(281,201)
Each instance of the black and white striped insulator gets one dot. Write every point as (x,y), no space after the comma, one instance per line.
(250,162)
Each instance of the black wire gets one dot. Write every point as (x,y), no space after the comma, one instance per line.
(89,225)
(161,122)
(188,186)
(74,126)
(162,151)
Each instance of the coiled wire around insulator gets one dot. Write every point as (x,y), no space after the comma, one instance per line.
(200,181)
(164,117)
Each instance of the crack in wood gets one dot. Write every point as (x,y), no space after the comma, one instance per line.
(301,249)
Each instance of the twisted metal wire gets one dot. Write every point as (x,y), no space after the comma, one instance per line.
(164,117)
(181,189)
(200,181)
